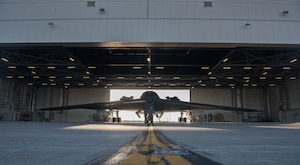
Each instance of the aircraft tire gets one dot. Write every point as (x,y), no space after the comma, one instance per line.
(113,119)
(118,119)
(184,119)
(180,120)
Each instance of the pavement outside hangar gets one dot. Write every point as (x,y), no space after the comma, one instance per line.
(134,143)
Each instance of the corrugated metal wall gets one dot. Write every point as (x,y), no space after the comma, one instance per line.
(150,21)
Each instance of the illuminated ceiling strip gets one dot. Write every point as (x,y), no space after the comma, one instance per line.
(204,67)
(71,59)
(226,67)
(50,67)
(31,67)
(225,60)
(92,67)
(293,60)
(12,67)
(247,68)
(9,77)
(136,67)
(286,68)
(159,67)
(254,85)
(4,59)
(267,67)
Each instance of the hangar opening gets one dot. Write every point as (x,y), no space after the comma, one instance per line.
(182,94)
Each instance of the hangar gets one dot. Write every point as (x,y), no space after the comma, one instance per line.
(231,53)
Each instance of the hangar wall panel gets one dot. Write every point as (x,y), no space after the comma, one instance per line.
(51,97)
(15,101)
(293,96)
(251,98)
(150,21)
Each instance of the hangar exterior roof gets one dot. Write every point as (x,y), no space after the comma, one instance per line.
(149,65)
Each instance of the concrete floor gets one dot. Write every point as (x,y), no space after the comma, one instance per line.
(240,143)
(81,143)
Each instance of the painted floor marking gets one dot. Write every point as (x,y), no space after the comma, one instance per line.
(153,151)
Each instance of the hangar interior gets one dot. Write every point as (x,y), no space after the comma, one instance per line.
(64,53)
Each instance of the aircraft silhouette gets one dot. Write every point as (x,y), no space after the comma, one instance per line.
(149,104)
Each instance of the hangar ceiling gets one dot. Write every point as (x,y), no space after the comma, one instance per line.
(155,66)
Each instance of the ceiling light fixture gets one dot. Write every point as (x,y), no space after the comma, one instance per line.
(203,85)
(136,67)
(225,60)
(286,68)
(210,73)
(159,67)
(267,68)
(254,85)
(31,67)
(9,77)
(71,67)
(50,67)
(226,67)
(278,78)
(229,78)
(4,59)
(92,67)
(204,67)
(12,67)
(71,59)
(272,85)
(293,60)
(247,68)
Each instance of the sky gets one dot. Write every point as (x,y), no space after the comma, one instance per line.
(116,94)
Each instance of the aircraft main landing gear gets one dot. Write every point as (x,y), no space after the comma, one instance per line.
(116,119)
(182,119)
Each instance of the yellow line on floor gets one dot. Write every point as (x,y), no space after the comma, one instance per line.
(137,158)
